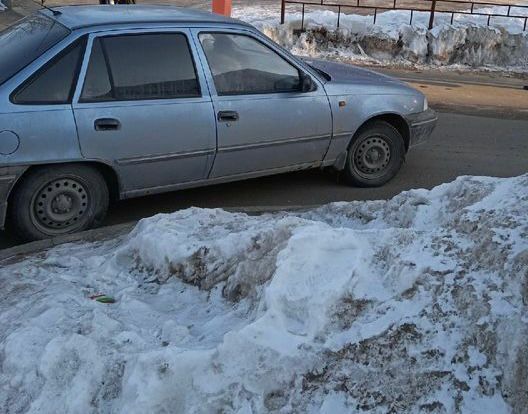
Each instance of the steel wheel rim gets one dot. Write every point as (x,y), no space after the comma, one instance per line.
(60,206)
(372,157)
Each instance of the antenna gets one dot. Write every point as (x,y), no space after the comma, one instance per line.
(41,3)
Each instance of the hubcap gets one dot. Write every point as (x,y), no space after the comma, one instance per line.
(372,156)
(59,206)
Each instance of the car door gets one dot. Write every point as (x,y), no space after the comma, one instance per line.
(264,120)
(145,108)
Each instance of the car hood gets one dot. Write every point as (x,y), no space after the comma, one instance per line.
(343,73)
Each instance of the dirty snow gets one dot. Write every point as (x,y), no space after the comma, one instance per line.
(468,42)
(415,304)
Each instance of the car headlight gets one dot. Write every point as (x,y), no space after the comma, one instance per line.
(426,104)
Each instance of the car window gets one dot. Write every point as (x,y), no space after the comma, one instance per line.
(241,65)
(146,66)
(25,41)
(97,86)
(55,82)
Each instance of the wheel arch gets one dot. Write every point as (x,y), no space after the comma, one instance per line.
(397,121)
(109,174)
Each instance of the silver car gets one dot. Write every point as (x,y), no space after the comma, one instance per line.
(100,102)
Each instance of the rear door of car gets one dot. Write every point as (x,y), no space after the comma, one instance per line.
(264,121)
(143,105)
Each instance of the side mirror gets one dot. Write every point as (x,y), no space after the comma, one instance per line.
(307,84)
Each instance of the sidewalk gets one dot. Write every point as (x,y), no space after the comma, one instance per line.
(481,100)
(492,94)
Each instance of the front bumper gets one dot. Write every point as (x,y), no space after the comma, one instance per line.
(421,125)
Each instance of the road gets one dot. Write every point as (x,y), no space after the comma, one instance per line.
(461,145)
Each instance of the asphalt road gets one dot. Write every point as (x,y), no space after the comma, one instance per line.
(460,145)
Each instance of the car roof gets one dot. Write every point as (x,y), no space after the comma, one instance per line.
(75,17)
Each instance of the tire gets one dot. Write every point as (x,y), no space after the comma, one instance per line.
(55,200)
(375,155)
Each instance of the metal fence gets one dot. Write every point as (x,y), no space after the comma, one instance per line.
(451,7)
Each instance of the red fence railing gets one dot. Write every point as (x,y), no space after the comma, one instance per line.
(472,7)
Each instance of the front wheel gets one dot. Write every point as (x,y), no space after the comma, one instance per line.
(56,200)
(375,156)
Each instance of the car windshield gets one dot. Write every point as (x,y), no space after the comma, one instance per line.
(25,41)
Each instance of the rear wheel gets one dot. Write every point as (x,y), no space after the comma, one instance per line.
(375,156)
(56,200)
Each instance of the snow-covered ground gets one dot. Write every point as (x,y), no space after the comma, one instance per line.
(468,42)
(416,304)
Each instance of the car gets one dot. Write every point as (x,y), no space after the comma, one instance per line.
(102,102)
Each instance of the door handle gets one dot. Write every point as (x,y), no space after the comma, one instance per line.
(107,124)
(228,116)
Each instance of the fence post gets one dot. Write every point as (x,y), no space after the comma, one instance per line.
(431,18)
(283,10)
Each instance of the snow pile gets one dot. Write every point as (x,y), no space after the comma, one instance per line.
(392,41)
(416,304)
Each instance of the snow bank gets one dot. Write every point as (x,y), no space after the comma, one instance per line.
(392,41)
(416,304)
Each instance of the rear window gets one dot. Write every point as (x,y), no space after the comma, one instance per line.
(54,83)
(25,41)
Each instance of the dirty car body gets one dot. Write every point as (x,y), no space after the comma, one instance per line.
(147,99)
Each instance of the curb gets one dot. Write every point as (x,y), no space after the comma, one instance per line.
(12,254)
(268,209)
(508,113)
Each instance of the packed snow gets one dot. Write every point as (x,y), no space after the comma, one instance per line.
(468,42)
(415,304)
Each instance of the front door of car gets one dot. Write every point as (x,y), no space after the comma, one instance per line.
(265,121)
(143,106)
